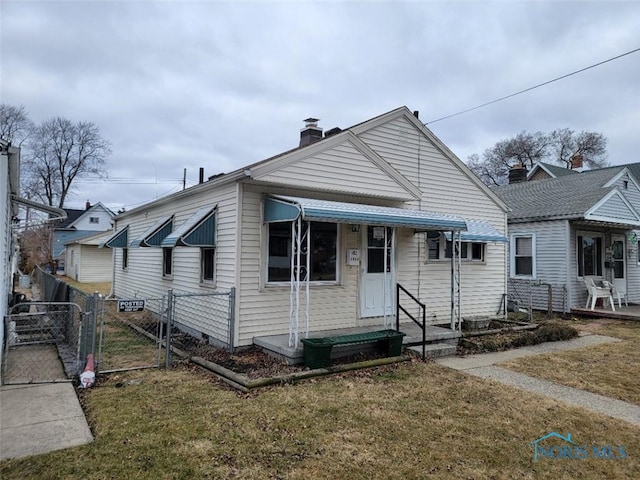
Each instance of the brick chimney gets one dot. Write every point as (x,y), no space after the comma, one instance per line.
(87,206)
(311,133)
(577,162)
(517,174)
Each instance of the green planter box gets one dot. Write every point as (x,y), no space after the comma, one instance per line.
(317,352)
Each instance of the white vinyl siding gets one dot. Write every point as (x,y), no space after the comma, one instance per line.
(616,209)
(552,249)
(341,169)
(447,188)
(143,276)
(88,263)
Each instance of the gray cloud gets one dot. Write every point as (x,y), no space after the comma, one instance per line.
(219,85)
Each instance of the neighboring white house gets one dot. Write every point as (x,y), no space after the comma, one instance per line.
(567,226)
(317,238)
(78,224)
(85,262)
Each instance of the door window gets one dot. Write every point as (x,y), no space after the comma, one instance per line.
(376,249)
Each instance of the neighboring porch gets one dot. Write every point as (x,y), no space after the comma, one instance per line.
(632,312)
(437,339)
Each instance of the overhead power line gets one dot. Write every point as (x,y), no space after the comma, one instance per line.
(534,87)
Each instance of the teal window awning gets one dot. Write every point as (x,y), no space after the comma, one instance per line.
(153,236)
(117,240)
(199,230)
(479,231)
(279,208)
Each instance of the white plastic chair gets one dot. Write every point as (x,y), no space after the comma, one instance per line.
(617,292)
(596,292)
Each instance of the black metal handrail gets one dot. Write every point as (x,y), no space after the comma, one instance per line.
(423,308)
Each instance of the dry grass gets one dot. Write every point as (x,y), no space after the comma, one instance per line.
(610,369)
(101,287)
(405,421)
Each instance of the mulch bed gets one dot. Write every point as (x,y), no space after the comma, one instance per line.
(252,361)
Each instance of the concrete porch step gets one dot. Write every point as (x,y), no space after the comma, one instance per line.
(435,350)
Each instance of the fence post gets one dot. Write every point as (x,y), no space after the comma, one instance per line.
(232,315)
(94,322)
(170,300)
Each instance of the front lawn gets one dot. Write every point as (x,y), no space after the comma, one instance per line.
(410,420)
(610,369)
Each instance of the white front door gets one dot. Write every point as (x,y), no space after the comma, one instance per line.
(619,263)
(378,272)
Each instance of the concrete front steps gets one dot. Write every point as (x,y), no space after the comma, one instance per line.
(434,350)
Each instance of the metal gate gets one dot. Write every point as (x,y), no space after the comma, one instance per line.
(45,342)
(131,338)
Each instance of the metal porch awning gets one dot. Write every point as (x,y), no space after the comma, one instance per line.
(199,230)
(479,231)
(279,208)
(117,240)
(154,235)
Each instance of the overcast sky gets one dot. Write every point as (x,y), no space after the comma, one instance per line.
(220,85)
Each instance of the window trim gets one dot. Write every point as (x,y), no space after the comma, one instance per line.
(443,248)
(167,273)
(282,283)
(206,281)
(125,258)
(512,255)
(94,220)
(599,235)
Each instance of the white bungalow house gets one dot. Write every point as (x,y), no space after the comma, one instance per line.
(565,226)
(318,237)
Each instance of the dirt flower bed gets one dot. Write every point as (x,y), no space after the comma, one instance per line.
(549,332)
(252,362)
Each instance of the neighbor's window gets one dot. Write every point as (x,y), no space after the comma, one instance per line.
(207,264)
(167,261)
(324,249)
(523,256)
(125,258)
(589,250)
(94,219)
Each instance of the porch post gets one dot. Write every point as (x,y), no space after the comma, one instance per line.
(307,277)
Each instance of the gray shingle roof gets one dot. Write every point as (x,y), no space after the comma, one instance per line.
(557,170)
(565,197)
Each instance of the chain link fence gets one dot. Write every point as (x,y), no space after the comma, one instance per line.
(68,324)
(204,315)
(130,340)
(525,296)
(45,342)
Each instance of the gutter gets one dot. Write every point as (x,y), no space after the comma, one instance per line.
(59,214)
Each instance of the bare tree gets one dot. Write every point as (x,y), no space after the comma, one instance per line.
(527,149)
(15,124)
(58,153)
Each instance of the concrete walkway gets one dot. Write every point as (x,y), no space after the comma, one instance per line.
(483,366)
(37,419)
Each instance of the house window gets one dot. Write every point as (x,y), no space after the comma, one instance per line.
(94,219)
(437,249)
(207,264)
(523,256)
(125,258)
(324,248)
(589,255)
(167,261)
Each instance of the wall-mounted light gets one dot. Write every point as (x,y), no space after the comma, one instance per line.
(355,228)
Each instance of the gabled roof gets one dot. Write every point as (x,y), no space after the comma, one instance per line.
(350,134)
(94,239)
(74,214)
(554,171)
(566,197)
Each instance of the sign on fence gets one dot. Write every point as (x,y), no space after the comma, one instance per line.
(131,305)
